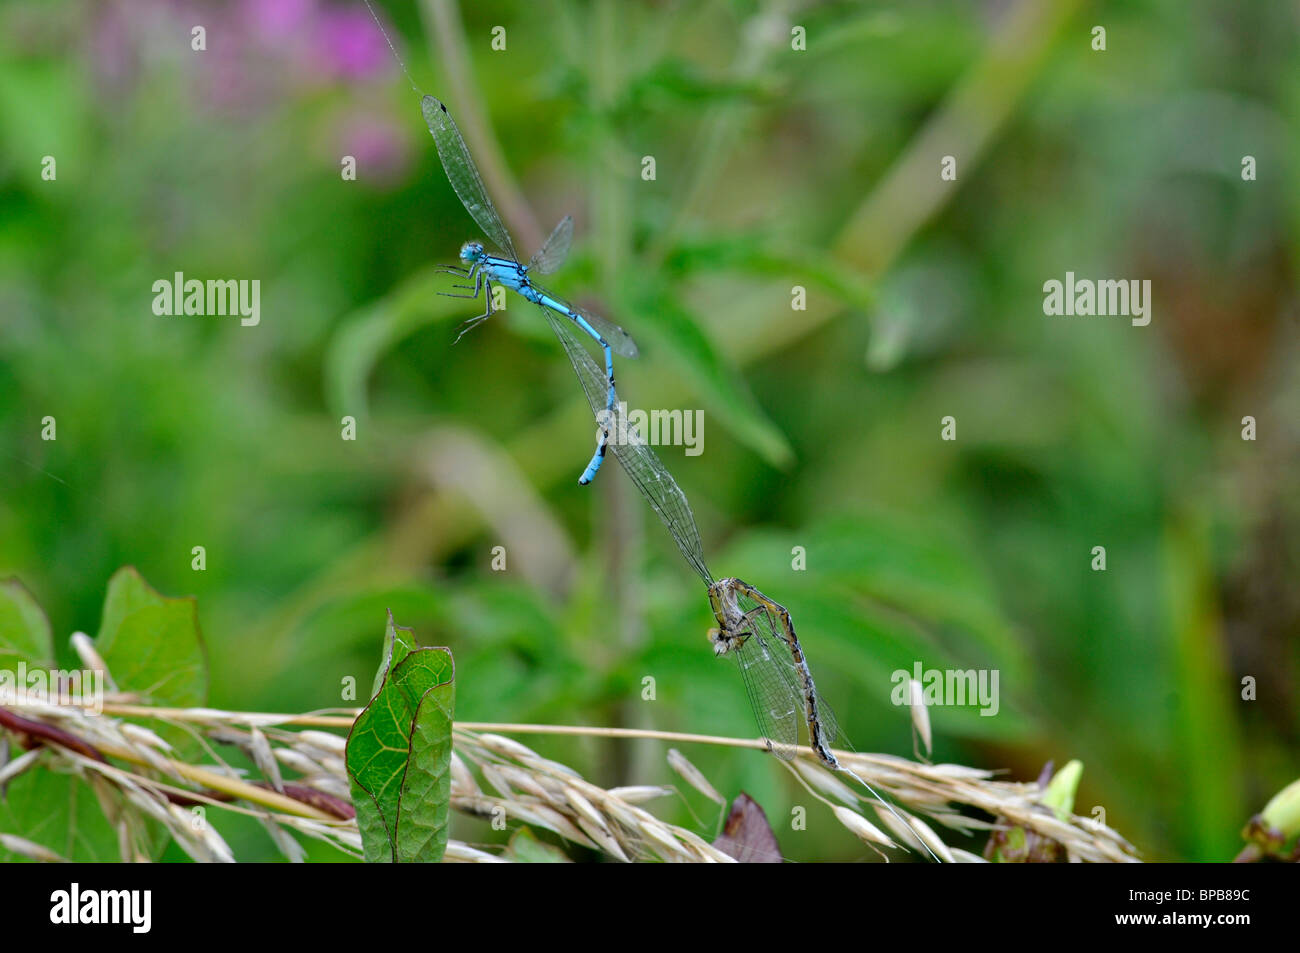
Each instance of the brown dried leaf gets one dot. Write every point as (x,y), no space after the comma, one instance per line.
(747,836)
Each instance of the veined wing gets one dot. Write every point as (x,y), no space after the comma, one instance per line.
(620,342)
(778,708)
(645,469)
(463,174)
(764,625)
(830,724)
(555,249)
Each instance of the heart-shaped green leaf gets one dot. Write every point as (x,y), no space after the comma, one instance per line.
(153,647)
(24,629)
(151,644)
(399,754)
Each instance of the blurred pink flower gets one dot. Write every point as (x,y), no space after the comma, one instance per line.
(261,55)
(279,19)
(381,147)
(352,45)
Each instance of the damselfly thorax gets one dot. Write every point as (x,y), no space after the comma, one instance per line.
(731,631)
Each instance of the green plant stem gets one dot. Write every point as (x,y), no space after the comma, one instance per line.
(226,785)
(205,715)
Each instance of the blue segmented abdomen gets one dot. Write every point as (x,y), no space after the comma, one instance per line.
(518,280)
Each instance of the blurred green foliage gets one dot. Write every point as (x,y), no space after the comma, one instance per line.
(822,426)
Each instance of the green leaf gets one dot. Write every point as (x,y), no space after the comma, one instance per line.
(673,81)
(127,592)
(927,571)
(371,332)
(1060,792)
(399,756)
(396,647)
(157,652)
(525,848)
(750,256)
(721,385)
(151,644)
(25,634)
(58,811)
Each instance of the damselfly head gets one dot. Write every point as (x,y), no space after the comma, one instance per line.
(471,251)
(723,641)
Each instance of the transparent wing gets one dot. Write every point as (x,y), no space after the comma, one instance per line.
(463,175)
(555,249)
(778,708)
(830,724)
(620,342)
(768,628)
(639,461)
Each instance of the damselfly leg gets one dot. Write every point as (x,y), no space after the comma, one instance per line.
(760,633)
